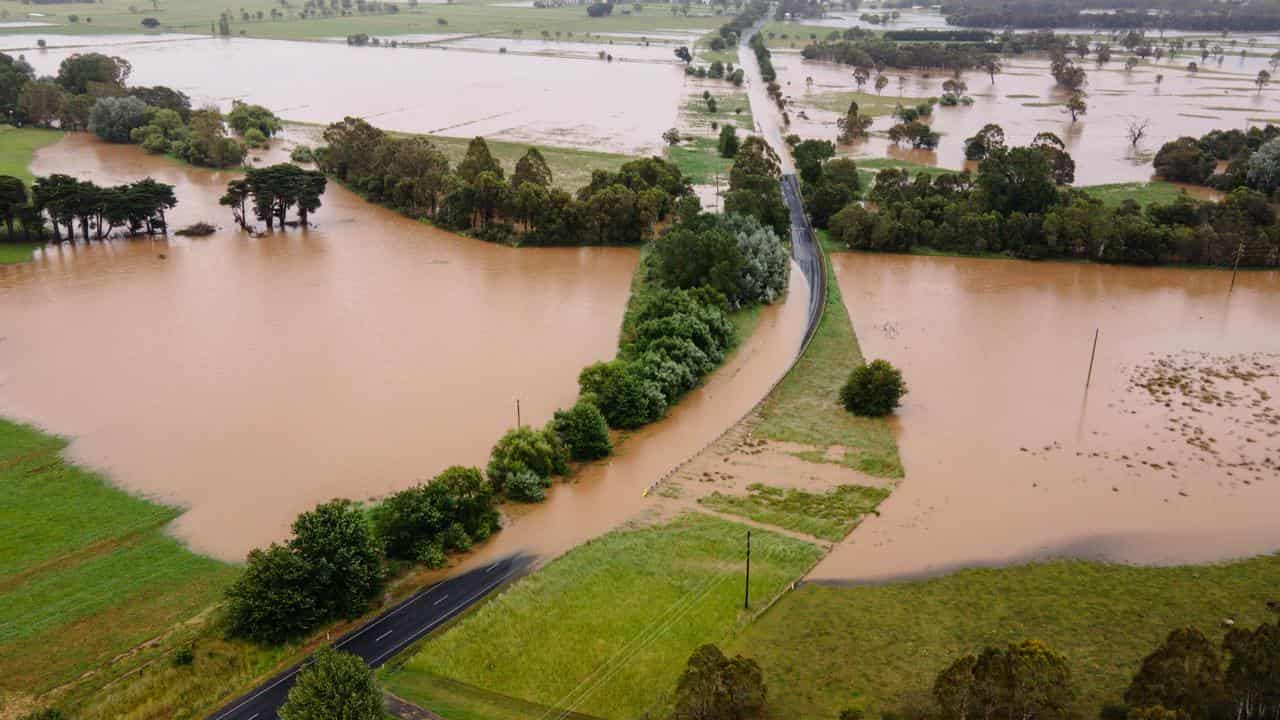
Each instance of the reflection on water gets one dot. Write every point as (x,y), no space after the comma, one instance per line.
(1006,460)
(618,107)
(251,378)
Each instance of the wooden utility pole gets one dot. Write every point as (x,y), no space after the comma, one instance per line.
(517,412)
(717,192)
(1088,378)
(1236,269)
(746,594)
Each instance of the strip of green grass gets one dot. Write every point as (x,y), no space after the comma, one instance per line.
(14,253)
(625,610)
(570,168)
(1144,193)
(826,648)
(85,569)
(830,515)
(19,145)
(868,104)
(805,407)
(700,160)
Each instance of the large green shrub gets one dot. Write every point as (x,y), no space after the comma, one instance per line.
(540,452)
(336,685)
(873,389)
(584,430)
(626,399)
(414,523)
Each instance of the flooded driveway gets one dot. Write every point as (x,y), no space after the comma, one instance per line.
(620,107)
(1172,456)
(248,379)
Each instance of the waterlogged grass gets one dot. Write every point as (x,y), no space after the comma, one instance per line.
(85,570)
(13,253)
(805,407)
(1143,193)
(829,515)
(606,629)
(869,104)
(732,107)
(823,649)
(475,17)
(700,160)
(19,145)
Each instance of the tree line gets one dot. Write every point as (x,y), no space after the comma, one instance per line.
(273,191)
(413,176)
(91,92)
(1252,159)
(71,205)
(1018,204)
(1239,17)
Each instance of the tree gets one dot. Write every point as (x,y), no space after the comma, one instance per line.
(335,685)
(1262,79)
(728,142)
(1136,130)
(273,599)
(337,544)
(1253,670)
(987,140)
(531,168)
(114,118)
(524,449)
(1263,173)
(1184,160)
(853,125)
(713,687)
(40,101)
(873,390)
(809,156)
(882,82)
(418,523)
(991,65)
(683,54)
(1183,674)
(671,136)
(13,196)
(15,75)
(1076,105)
(160,96)
(245,117)
(584,430)
(1027,680)
(478,160)
(694,254)
(81,73)
(626,399)
(1016,180)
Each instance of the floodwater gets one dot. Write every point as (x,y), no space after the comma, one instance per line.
(249,378)
(615,107)
(657,51)
(1172,456)
(1025,101)
(13,42)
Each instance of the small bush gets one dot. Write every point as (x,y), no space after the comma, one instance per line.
(540,452)
(302,154)
(200,229)
(873,390)
(525,486)
(184,656)
(584,430)
(626,399)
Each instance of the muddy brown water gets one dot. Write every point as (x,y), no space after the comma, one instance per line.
(247,379)
(1025,101)
(1008,459)
(621,107)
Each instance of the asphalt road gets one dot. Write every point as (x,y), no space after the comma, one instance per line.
(804,250)
(381,638)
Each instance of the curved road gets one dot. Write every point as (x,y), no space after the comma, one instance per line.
(392,631)
(401,625)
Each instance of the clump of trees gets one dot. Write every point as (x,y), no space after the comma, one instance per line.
(525,459)
(1026,680)
(1019,204)
(273,191)
(1195,160)
(97,211)
(873,390)
(715,687)
(413,176)
(449,513)
(754,187)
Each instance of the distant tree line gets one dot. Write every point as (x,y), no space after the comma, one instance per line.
(1017,205)
(90,92)
(1252,157)
(1214,17)
(413,176)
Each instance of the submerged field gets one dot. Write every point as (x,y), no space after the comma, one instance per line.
(86,571)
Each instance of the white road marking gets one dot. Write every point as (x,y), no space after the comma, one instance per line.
(377,639)
(446,597)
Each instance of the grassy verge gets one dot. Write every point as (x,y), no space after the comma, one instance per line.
(606,629)
(700,160)
(86,571)
(805,406)
(830,515)
(1144,193)
(826,648)
(19,145)
(13,253)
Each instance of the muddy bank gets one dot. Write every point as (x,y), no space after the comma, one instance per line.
(248,379)
(1171,457)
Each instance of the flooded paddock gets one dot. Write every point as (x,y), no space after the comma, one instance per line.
(1024,100)
(620,107)
(249,378)
(1172,456)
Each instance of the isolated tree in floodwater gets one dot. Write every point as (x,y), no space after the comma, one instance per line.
(881,83)
(991,66)
(1136,130)
(1262,79)
(1076,106)
(274,190)
(236,197)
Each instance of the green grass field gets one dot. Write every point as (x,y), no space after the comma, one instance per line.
(1144,193)
(700,160)
(11,254)
(570,168)
(869,104)
(605,630)
(86,571)
(476,17)
(826,648)
(830,515)
(805,407)
(19,145)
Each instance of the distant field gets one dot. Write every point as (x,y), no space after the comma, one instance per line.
(570,168)
(86,571)
(1143,193)
(824,649)
(198,16)
(805,407)
(606,629)
(869,104)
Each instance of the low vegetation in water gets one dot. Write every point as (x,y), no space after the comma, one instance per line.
(629,608)
(828,515)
